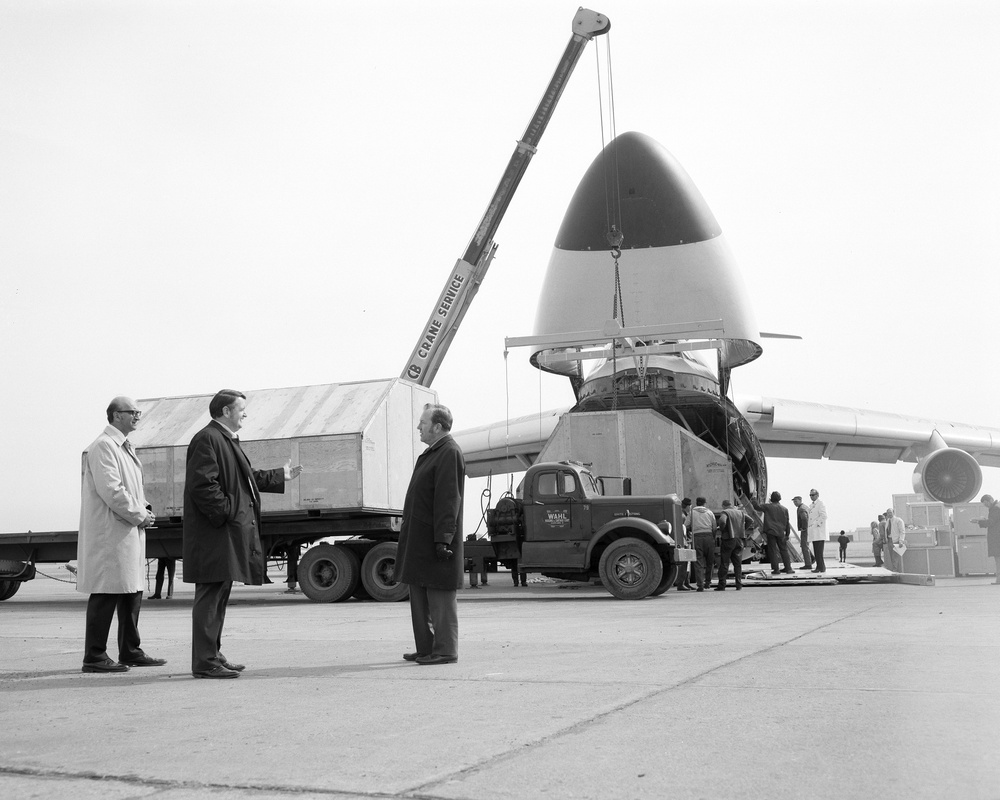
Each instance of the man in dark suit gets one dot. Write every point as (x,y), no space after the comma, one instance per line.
(430,554)
(222,527)
(733,524)
(802,523)
(992,525)
(777,528)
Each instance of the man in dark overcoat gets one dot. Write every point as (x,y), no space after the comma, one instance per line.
(430,557)
(992,525)
(778,529)
(222,527)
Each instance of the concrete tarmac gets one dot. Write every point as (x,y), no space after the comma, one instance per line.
(841,691)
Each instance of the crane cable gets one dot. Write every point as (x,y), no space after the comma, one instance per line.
(613,210)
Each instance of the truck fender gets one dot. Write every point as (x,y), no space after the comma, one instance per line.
(644,526)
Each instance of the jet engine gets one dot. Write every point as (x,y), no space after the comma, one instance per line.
(947,474)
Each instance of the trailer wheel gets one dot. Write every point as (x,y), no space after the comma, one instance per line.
(631,569)
(669,576)
(10,568)
(328,573)
(8,589)
(377,574)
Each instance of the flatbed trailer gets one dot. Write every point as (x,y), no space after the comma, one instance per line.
(358,569)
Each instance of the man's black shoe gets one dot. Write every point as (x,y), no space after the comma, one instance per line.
(234,667)
(413,656)
(145,661)
(107,665)
(218,672)
(436,659)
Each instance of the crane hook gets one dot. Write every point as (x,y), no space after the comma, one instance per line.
(615,238)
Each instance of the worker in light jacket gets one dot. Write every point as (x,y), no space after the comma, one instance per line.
(817,530)
(895,534)
(430,555)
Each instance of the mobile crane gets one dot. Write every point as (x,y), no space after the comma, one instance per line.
(464,281)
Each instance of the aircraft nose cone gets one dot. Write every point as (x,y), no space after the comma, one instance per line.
(675,266)
(639,186)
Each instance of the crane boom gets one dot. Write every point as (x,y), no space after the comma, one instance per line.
(470,269)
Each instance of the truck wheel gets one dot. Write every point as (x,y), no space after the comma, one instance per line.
(376,574)
(669,576)
(328,573)
(8,589)
(631,569)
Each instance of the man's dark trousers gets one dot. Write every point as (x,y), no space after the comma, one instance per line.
(100,611)
(776,545)
(731,550)
(208,615)
(434,613)
(807,558)
(704,548)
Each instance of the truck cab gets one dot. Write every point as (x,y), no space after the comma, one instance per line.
(563,526)
(559,516)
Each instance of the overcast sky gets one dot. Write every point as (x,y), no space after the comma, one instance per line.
(264,194)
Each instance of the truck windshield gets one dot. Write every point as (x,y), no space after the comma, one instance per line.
(589,484)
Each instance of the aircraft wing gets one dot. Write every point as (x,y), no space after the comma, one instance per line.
(506,446)
(796,429)
(786,429)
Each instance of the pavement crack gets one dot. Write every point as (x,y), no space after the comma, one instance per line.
(165,785)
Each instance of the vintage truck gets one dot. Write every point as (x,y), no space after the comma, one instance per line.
(562,525)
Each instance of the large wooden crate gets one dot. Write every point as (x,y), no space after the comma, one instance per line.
(356,442)
(659,456)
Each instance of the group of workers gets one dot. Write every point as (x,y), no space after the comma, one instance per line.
(718,538)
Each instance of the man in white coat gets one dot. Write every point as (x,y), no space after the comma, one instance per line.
(895,534)
(111,548)
(817,530)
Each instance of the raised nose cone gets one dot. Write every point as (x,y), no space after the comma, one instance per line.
(656,204)
(675,266)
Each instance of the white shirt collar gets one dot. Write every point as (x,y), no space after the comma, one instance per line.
(225,430)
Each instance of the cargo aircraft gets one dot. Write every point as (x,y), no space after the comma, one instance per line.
(681,324)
